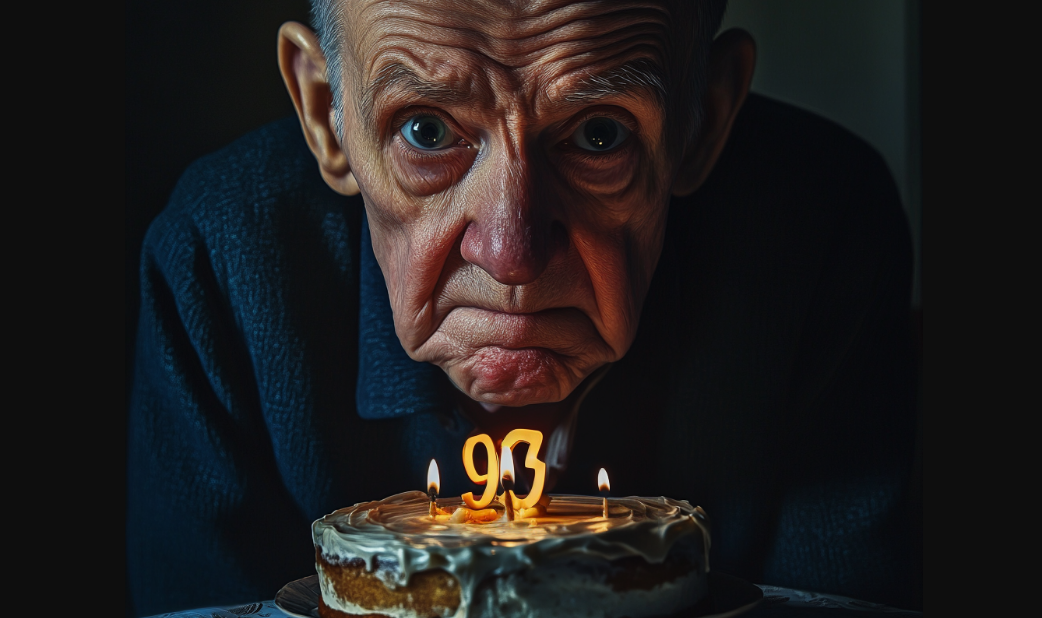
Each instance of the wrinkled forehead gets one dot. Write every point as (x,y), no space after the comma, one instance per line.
(537,52)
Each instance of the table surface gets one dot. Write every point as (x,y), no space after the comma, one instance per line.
(777,603)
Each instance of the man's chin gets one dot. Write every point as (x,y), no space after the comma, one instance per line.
(515,377)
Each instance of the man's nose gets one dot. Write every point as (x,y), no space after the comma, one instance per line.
(513,235)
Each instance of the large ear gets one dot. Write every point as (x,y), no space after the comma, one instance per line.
(303,68)
(732,59)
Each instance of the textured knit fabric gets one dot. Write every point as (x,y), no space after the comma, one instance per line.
(771,380)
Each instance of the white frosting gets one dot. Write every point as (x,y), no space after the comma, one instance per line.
(570,544)
(563,593)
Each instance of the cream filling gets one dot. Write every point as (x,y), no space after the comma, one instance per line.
(399,529)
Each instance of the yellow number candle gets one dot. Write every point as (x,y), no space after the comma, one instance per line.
(534,440)
(491,477)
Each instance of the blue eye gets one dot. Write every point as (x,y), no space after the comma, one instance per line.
(427,133)
(599,134)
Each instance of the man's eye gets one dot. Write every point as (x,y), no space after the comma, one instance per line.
(599,134)
(427,133)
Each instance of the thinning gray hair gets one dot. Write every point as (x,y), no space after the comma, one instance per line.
(327,18)
(686,82)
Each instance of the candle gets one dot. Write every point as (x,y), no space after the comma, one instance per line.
(535,440)
(506,462)
(604,487)
(491,477)
(433,485)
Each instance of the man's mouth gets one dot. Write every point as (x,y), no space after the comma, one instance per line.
(509,358)
(565,331)
(500,371)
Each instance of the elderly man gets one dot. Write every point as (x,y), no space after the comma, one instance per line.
(554,215)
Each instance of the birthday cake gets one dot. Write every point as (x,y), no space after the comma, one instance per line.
(401,558)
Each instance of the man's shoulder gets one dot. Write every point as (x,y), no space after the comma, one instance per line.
(783,161)
(796,141)
(798,155)
(237,192)
(267,164)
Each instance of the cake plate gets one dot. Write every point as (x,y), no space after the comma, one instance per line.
(728,596)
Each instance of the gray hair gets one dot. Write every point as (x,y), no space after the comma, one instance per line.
(688,77)
(327,18)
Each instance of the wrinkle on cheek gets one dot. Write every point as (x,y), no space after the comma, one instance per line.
(607,263)
(423,250)
(391,248)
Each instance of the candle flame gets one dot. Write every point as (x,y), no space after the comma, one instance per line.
(602,481)
(433,477)
(506,462)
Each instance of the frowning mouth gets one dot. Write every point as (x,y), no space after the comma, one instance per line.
(516,358)
(566,331)
(503,372)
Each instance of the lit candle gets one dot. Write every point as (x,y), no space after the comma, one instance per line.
(604,487)
(506,462)
(433,485)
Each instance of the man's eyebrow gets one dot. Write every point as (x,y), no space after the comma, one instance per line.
(397,76)
(641,74)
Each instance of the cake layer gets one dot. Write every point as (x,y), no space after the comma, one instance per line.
(390,558)
(352,587)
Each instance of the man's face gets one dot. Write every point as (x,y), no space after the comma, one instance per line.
(516,165)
